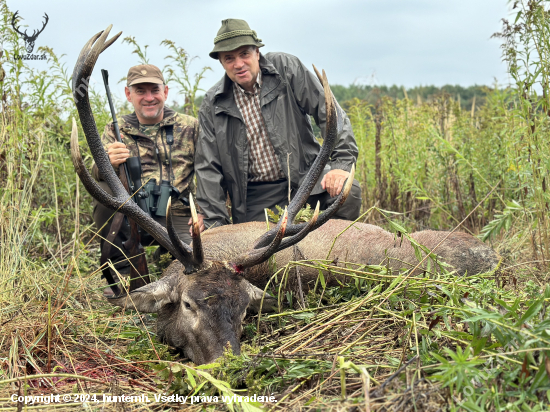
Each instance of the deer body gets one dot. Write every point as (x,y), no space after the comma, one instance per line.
(361,243)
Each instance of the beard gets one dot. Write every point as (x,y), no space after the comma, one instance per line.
(151,116)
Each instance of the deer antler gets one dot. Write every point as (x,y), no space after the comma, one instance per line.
(197,256)
(13,22)
(334,124)
(198,253)
(268,243)
(119,200)
(35,33)
(323,218)
(256,256)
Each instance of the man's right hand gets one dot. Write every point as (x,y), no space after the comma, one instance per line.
(118,153)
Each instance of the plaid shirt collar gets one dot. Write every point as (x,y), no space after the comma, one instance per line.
(257,85)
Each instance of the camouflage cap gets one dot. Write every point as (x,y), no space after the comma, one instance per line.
(233,34)
(144,73)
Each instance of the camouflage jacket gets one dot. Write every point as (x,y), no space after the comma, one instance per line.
(186,131)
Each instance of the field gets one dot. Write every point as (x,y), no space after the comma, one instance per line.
(386,341)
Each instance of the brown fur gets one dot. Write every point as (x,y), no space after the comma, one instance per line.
(361,243)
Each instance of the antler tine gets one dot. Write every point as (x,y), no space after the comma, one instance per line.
(119,202)
(322,158)
(257,256)
(184,249)
(319,76)
(87,47)
(82,56)
(81,79)
(110,41)
(316,169)
(198,253)
(324,81)
(339,115)
(297,232)
(305,229)
(195,255)
(121,205)
(327,214)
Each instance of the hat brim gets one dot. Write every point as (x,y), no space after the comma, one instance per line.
(155,80)
(233,44)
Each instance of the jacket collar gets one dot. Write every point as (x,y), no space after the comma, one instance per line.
(266,66)
(271,77)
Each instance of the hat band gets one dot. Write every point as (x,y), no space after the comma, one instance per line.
(236,33)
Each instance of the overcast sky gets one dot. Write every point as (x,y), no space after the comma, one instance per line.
(403,42)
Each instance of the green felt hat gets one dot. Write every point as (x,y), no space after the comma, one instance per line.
(233,34)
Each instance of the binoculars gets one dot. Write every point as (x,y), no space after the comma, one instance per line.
(158,195)
(152,198)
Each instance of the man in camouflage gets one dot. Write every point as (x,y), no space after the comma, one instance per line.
(143,135)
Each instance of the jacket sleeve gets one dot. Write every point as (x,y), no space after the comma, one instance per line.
(208,170)
(310,96)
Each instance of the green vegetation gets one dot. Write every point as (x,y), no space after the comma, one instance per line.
(385,340)
(465,96)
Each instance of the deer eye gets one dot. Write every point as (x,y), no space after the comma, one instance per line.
(187,305)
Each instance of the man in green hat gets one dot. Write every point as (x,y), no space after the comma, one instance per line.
(164,141)
(256,135)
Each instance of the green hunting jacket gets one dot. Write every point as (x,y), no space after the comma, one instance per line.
(289,95)
(186,132)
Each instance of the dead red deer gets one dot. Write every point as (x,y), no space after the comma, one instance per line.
(204,295)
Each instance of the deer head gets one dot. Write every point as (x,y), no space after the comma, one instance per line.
(200,302)
(29,40)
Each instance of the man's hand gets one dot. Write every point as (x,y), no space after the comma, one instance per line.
(118,153)
(333,182)
(201,224)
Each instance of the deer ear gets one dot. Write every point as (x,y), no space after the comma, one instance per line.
(149,298)
(269,304)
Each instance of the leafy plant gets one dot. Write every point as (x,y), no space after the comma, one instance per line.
(182,77)
(501,221)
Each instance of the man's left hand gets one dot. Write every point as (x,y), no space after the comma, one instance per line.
(333,182)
